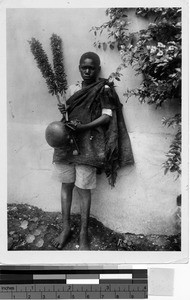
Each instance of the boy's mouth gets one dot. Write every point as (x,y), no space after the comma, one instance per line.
(87,78)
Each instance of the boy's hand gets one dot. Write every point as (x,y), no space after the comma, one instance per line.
(62,108)
(75,125)
(80,127)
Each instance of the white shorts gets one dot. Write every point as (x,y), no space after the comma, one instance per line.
(83,176)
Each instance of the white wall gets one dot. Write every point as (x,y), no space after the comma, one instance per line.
(144,199)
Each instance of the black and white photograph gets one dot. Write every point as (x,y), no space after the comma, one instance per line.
(94,131)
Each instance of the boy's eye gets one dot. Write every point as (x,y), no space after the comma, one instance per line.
(88,68)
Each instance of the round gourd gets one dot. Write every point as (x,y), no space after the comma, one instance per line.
(56,135)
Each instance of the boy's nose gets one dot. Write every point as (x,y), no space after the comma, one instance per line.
(87,71)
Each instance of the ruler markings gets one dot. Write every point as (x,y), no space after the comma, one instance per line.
(137,295)
(107,295)
(123,295)
(68,288)
(63,295)
(74,295)
(60,287)
(48,295)
(105,288)
(77,288)
(19,295)
(21,288)
(34,295)
(133,288)
(124,287)
(115,287)
(7,295)
(92,295)
(39,287)
(95,288)
(117,283)
(78,295)
(49,288)
(143,287)
(87,287)
(30,287)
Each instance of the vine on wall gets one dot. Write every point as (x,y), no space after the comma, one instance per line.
(154,52)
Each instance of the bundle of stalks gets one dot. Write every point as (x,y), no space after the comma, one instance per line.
(56,81)
(55,76)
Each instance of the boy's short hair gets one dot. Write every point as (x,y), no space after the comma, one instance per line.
(90,55)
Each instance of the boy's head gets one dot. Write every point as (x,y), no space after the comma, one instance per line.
(89,67)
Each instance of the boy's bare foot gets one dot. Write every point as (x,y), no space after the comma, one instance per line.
(84,243)
(61,240)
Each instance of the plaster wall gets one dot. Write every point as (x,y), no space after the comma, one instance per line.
(144,199)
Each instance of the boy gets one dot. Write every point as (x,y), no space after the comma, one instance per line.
(93,114)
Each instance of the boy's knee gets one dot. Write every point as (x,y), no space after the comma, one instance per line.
(83,191)
(67,186)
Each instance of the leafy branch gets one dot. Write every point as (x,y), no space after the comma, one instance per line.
(173,162)
(116,28)
(155,53)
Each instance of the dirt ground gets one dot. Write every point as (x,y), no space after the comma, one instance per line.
(30,228)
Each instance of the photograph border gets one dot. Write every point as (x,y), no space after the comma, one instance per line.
(93,257)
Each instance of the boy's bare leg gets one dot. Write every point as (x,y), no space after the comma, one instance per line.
(85,203)
(66,201)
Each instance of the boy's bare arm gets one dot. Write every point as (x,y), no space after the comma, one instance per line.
(102,120)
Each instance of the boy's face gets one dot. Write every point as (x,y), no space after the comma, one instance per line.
(89,70)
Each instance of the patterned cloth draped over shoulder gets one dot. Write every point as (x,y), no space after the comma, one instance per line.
(106,147)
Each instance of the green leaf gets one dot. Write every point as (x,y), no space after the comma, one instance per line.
(112,46)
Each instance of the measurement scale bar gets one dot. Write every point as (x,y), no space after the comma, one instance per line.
(73,283)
